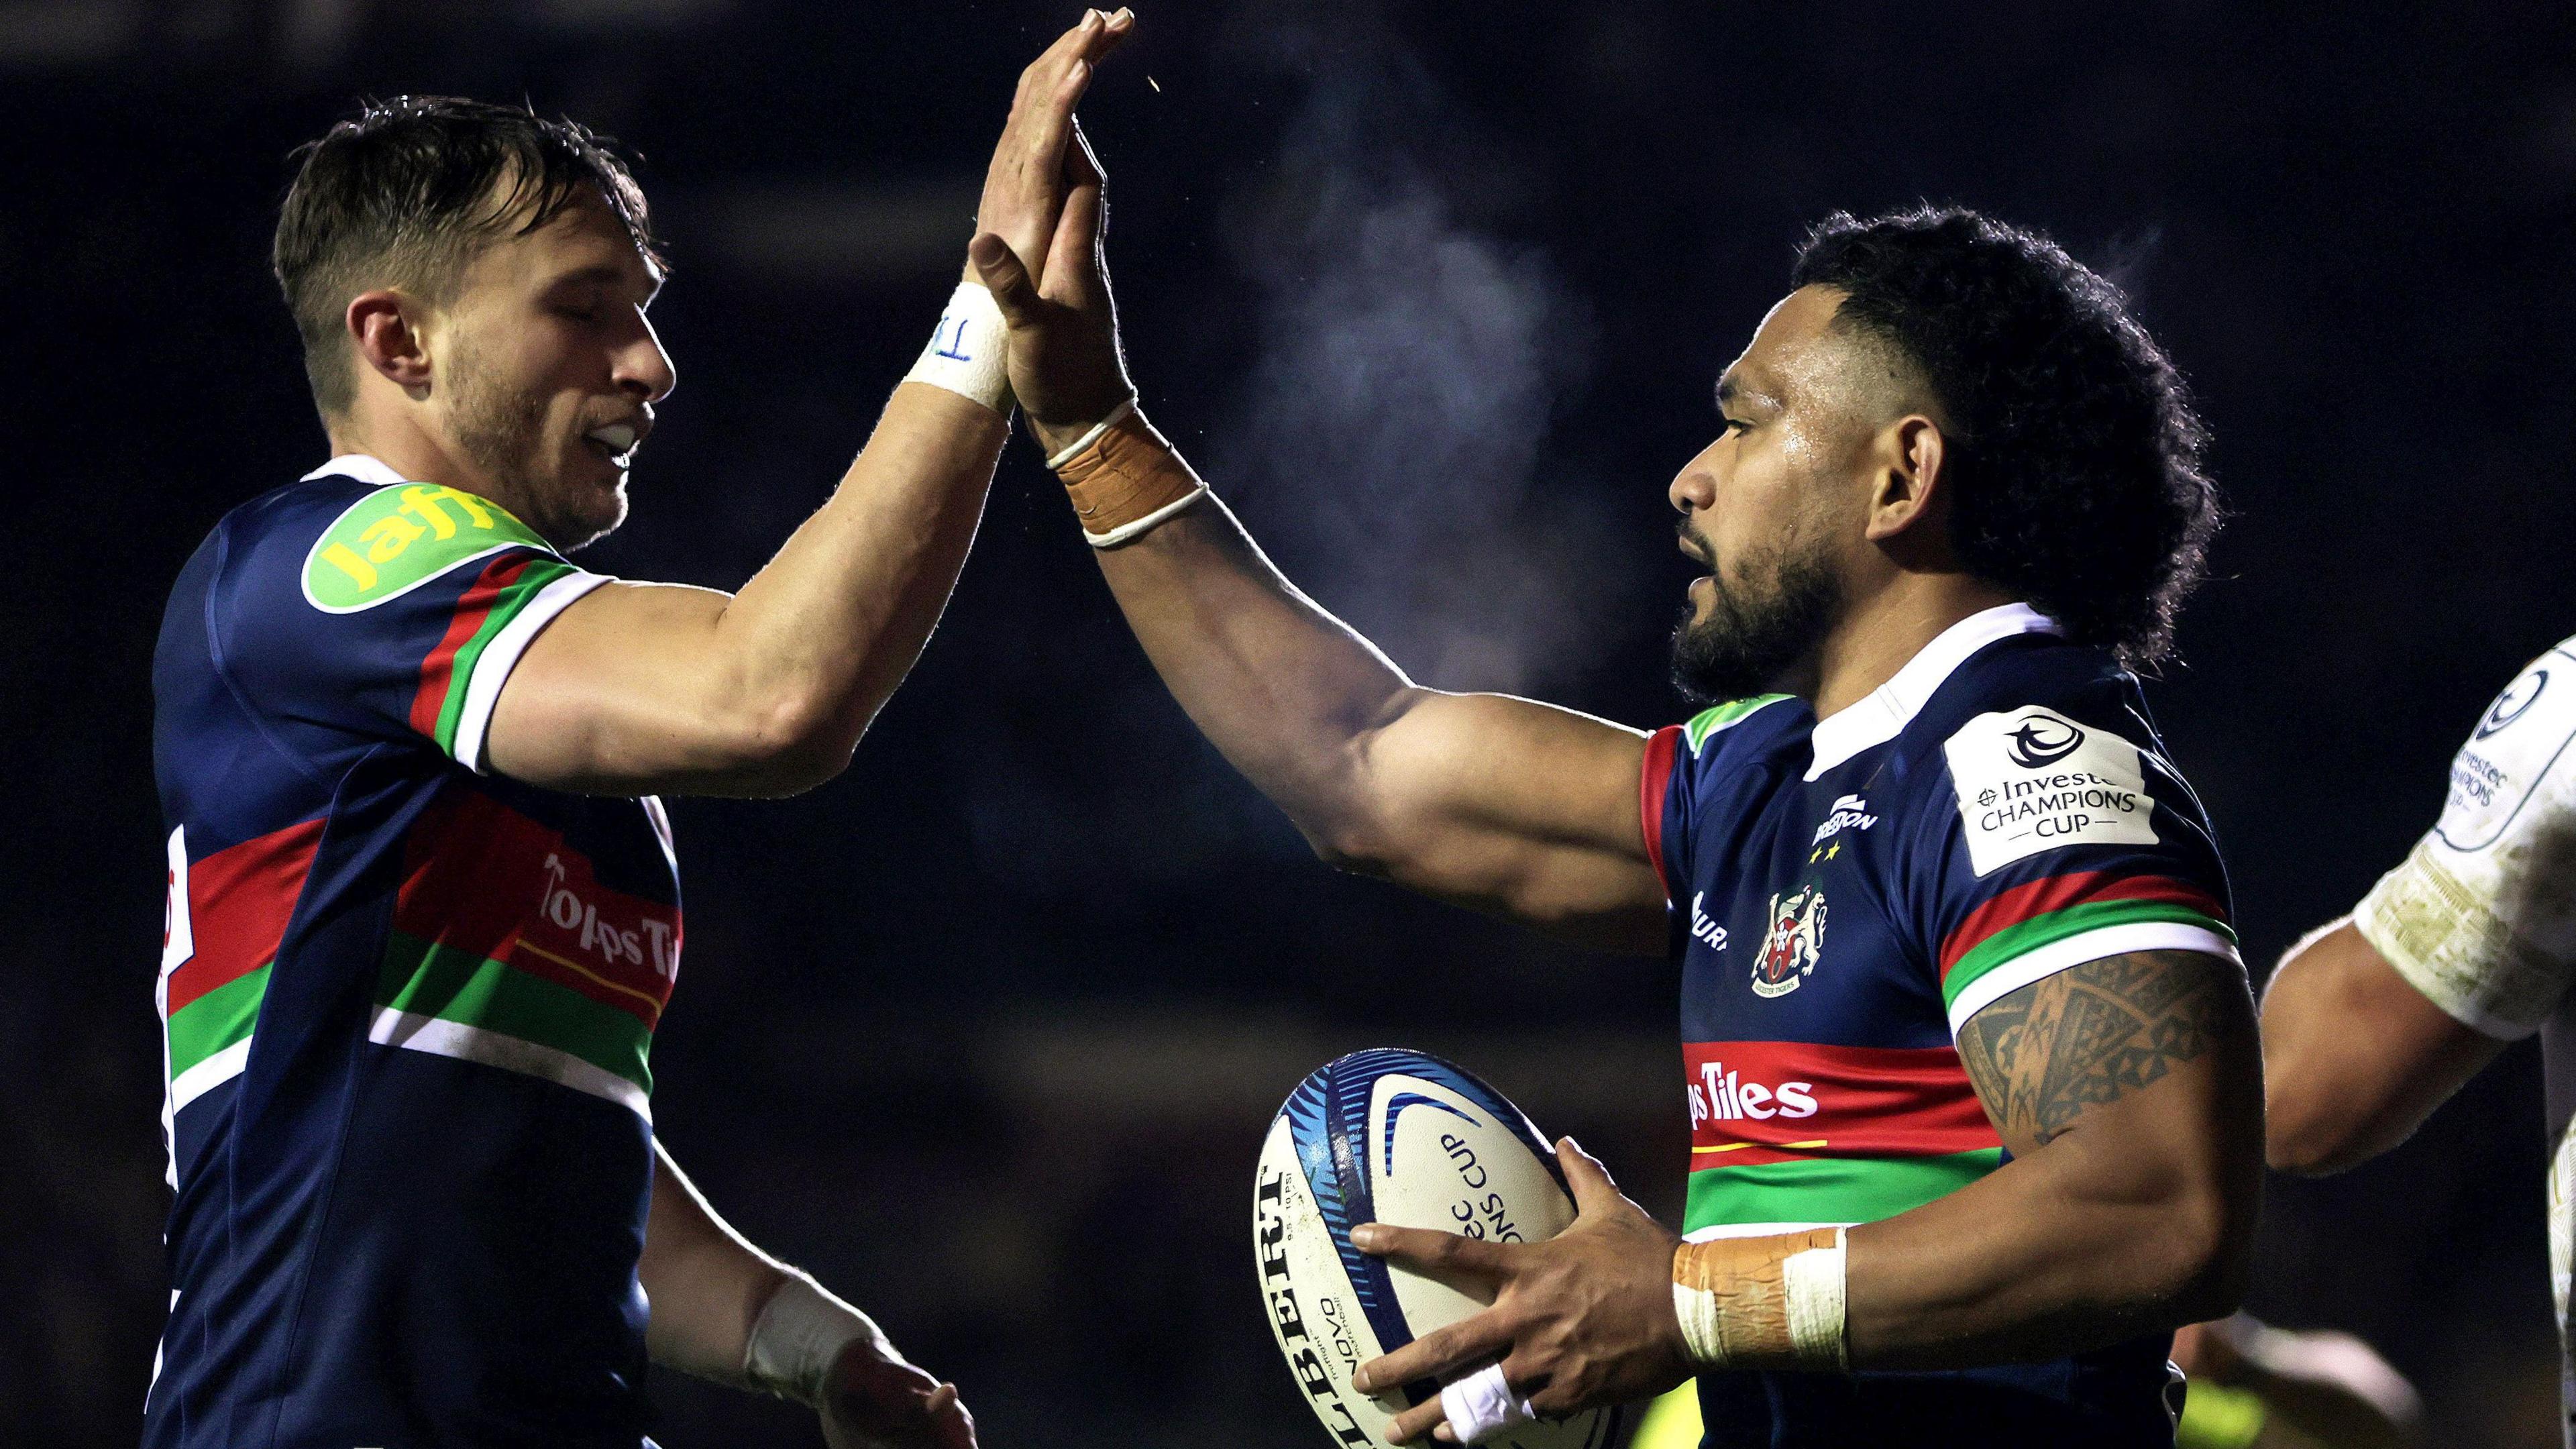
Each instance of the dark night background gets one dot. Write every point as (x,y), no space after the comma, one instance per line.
(986,1031)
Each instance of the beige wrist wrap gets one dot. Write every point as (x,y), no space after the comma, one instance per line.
(1124,479)
(1772,1302)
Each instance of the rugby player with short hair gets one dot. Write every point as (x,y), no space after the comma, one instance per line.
(424,911)
(1969,1050)
(2469,944)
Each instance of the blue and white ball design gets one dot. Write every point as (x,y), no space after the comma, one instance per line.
(1396,1137)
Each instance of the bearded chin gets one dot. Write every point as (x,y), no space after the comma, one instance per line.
(1757,635)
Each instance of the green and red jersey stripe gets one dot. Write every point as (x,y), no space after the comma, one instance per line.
(1801,1132)
(239,901)
(2036,913)
(1766,1101)
(1829,1189)
(501,925)
(503,588)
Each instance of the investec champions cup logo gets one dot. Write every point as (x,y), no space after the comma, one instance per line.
(400,537)
(1796,937)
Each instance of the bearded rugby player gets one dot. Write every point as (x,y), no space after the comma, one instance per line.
(424,912)
(2469,944)
(1969,1050)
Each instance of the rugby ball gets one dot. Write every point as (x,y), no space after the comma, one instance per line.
(1398,1137)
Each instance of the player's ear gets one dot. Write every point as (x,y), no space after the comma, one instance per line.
(1910,486)
(384,329)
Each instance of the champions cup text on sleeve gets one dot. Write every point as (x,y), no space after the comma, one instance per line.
(408,1007)
(1846,894)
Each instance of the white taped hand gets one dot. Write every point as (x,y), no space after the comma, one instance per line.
(1481,1406)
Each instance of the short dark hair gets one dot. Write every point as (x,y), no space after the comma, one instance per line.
(405,193)
(2074,454)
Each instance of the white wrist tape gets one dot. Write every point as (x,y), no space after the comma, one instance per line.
(1813,1283)
(1806,1319)
(796,1339)
(1481,1406)
(967,351)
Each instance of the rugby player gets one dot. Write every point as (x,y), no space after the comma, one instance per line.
(2374,1020)
(1969,1050)
(424,912)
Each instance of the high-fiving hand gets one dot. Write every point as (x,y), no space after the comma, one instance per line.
(1583,1319)
(1038,244)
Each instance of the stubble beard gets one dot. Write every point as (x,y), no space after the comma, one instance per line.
(503,434)
(1759,631)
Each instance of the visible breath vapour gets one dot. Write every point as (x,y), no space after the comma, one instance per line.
(1387,443)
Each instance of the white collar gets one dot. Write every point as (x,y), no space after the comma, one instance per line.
(365,467)
(1888,709)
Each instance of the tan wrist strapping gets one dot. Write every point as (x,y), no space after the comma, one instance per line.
(1124,479)
(1771,1302)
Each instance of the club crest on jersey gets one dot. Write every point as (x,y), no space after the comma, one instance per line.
(1793,943)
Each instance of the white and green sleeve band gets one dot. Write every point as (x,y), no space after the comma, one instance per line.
(2069,952)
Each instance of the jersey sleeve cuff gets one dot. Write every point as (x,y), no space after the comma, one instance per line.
(2071,951)
(2438,935)
(492,669)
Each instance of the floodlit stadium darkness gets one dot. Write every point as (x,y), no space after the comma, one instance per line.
(987,1031)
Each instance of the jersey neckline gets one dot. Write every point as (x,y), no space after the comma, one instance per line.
(365,467)
(1884,712)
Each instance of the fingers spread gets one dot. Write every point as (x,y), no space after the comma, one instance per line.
(1419,1420)
(1432,1251)
(1594,1192)
(1440,1354)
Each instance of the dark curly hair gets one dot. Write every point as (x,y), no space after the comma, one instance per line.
(408,190)
(2073,450)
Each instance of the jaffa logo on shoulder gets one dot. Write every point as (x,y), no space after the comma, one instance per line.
(2515,702)
(401,536)
(2038,741)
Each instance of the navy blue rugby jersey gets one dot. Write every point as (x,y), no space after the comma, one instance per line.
(407,1005)
(1846,895)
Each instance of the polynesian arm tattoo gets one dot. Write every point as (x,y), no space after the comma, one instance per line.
(2094,1033)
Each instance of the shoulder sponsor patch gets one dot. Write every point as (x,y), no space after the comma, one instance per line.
(2523,737)
(2032,780)
(400,537)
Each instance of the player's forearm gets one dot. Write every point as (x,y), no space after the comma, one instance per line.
(2079,1245)
(1286,691)
(815,643)
(706,1286)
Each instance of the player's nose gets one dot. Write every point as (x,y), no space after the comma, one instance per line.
(643,369)
(1692,489)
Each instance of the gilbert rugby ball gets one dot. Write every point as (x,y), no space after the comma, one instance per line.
(1396,1137)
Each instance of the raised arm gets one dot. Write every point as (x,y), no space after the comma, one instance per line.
(1501,804)
(639,688)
